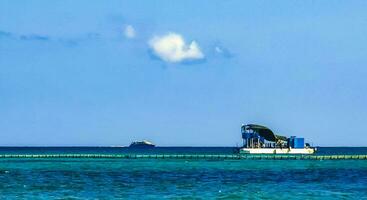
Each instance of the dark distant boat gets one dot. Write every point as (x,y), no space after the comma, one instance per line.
(142,144)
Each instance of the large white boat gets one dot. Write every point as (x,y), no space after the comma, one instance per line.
(259,139)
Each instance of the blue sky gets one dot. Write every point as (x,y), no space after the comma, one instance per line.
(181,72)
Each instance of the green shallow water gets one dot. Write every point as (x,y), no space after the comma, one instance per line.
(182,179)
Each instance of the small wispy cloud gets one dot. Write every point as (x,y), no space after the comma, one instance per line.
(24,37)
(5,34)
(218,49)
(222,51)
(34,37)
(173,48)
(129,32)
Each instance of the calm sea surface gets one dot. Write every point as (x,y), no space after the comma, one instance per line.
(179,179)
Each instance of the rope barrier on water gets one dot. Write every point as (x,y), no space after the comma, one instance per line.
(190,156)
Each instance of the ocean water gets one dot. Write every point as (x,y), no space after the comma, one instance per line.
(179,179)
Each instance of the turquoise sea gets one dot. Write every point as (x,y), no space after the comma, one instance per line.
(179,179)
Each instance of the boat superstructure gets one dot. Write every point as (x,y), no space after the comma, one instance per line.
(258,139)
(142,144)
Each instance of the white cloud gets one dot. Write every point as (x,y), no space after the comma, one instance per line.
(129,31)
(218,49)
(222,51)
(172,48)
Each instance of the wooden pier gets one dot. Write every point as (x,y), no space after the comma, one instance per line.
(187,156)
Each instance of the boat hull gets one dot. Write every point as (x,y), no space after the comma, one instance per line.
(277,151)
(141,146)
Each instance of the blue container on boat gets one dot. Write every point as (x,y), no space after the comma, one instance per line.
(291,141)
(298,143)
(295,142)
